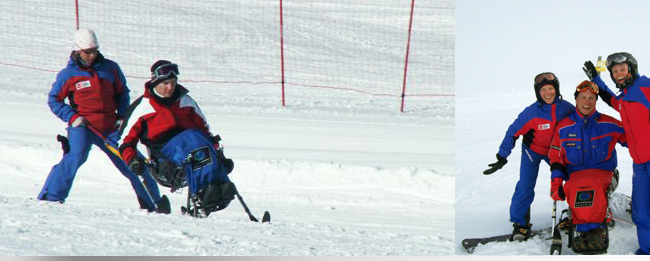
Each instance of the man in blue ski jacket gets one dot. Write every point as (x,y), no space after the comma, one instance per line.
(583,154)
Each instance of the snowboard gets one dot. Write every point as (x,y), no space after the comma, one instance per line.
(471,243)
(621,207)
(619,204)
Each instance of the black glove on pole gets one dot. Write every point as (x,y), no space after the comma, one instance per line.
(501,161)
(137,166)
(590,70)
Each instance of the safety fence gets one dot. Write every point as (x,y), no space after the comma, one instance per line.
(389,48)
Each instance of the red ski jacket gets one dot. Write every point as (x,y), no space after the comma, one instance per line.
(633,104)
(98,93)
(153,121)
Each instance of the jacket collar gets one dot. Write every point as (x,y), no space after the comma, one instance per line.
(75,60)
(593,116)
(178,93)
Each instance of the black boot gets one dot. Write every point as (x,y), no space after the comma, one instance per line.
(521,233)
(164,206)
(597,240)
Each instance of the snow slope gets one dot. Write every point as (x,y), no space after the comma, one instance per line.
(342,173)
(501,46)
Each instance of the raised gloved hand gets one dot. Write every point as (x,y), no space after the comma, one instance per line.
(590,70)
(78,122)
(137,166)
(528,137)
(501,161)
(557,192)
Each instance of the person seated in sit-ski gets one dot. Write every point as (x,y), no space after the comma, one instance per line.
(169,123)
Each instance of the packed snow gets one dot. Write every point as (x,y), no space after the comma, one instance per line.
(341,172)
(500,47)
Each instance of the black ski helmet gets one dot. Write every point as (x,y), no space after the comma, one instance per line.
(619,58)
(544,79)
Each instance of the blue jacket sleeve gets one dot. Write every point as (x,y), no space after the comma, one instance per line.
(124,98)
(510,139)
(603,91)
(57,105)
(556,173)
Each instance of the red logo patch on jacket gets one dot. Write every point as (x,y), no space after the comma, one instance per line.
(81,85)
(544,126)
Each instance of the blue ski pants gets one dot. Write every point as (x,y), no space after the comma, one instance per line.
(59,182)
(525,188)
(641,204)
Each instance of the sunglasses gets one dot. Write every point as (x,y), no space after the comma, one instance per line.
(90,51)
(587,85)
(547,76)
(165,71)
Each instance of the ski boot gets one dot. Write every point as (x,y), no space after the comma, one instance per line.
(565,221)
(598,240)
(163,206)
(591,242)
(521,233)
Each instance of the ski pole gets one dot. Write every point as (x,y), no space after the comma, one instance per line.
(241,200)
(554,218)
(108,145)
(556,244)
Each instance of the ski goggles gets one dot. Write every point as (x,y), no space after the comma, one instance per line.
(587,85)
(545,77)
(165,71)
(90,51)
(618,58)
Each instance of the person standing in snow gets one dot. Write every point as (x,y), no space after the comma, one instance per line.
(583,154)
(536,124)
(98,97)
(164,119)
(633,104)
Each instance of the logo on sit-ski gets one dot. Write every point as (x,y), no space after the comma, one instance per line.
(201,157)
(81,85)
(544,126)
(584,198)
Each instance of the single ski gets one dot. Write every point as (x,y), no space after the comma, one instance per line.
(266,217)
(471,243)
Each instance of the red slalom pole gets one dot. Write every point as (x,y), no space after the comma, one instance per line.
(282,53)
(76,7)
(406,62)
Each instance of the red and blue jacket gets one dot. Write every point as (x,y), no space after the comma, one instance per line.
(98,93)
(153,121)
(539,117)
(585,142)
(633,104)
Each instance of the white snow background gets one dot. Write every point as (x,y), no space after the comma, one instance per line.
(501,46)
(341,172)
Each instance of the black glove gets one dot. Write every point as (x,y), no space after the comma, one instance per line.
(496,166)
(590,70)
(137,166)
(528,137)
(215,141)
(226,162)
(65,144)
